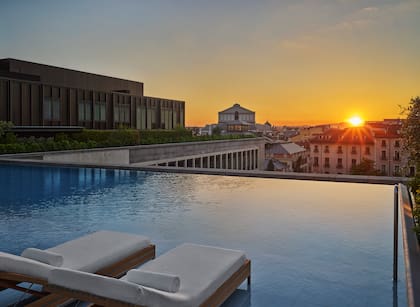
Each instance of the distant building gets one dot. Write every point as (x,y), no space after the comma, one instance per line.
(33,94)
(292,157)
(236,119)
(337,151)
(207,129)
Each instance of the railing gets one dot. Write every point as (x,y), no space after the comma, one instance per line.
(395,234)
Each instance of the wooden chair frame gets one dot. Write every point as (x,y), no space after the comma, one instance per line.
(12,280)
(216,299)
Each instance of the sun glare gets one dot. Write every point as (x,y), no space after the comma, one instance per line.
(356,121)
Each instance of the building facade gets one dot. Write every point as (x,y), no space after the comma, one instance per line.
(34,94)
(291,156)
(236,119)
(337,151)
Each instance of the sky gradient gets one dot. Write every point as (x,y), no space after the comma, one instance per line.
(292,61)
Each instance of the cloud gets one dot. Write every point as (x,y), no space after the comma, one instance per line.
(370,9)
(359,20)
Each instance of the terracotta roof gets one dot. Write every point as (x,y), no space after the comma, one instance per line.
(355,135)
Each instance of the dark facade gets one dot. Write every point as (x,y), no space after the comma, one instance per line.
(34,94)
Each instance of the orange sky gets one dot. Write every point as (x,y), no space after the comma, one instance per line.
(292,62)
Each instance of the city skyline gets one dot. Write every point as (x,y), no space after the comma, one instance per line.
(305,62)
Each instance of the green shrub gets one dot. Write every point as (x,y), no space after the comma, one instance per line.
(105,138)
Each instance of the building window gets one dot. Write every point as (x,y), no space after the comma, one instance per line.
(316,162)
(99,111)
(51,108)
(327,149)
(353,162)
(340,150)
(383,169)
(339,163)
(353,150)
(316,148)
(236,115)
(141,117)
(85,110)
(397,156)
(383,155)
(396,170)
(397,143)
(327,162)
(367,150)
(383,143)
(122,113)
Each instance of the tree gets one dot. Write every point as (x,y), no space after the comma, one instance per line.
(270,165)
(216,131)
(411,132)
(5,127)
(365,167)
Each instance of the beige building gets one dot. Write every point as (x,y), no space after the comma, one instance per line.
(336,151)
(236,119)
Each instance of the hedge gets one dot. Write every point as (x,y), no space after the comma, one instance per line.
(101,138)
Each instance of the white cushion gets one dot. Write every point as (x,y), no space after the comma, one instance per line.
(43,256)
(89,253)
(201,269)
(99,249)
(161,281)
(20,265)
(96,284)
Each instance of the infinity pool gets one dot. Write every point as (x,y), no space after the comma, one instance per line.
(311,243)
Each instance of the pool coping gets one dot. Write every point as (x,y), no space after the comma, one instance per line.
(410,247)
(18,159)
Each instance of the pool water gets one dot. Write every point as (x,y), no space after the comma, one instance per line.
(311,243)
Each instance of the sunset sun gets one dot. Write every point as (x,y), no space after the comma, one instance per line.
(356,121)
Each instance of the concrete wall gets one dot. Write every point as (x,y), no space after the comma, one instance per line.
(144,153)
(167,151)
(104,156)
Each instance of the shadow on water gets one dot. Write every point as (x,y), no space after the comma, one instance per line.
(240,297)
(395,294)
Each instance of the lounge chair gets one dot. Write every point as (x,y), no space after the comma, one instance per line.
(106,253)
(204,275)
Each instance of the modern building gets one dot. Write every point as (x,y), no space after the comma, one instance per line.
(34,94)
(337,151)
(236,119)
